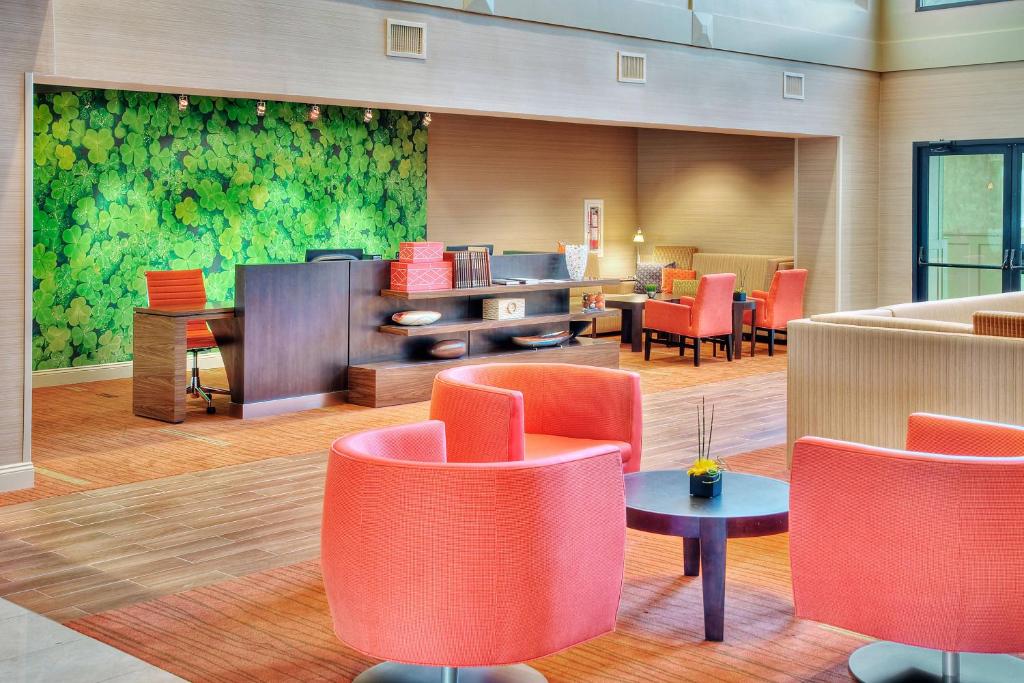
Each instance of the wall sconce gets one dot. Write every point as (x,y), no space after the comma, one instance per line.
(261,108)
(314,113)
(367,115)
(182,102)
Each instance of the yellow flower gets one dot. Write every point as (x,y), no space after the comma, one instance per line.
(704,467)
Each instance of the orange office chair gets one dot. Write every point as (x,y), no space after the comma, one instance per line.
(185,288)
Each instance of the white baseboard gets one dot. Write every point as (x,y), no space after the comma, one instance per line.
(97,373)
(17,475)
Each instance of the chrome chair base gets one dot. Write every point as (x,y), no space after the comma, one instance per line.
(393,672)
(884,662)
(194,388)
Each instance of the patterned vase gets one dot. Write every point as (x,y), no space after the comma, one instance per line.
(576,260)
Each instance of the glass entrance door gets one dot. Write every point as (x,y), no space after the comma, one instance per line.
(967,215)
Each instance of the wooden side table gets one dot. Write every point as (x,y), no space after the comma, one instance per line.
(659,501)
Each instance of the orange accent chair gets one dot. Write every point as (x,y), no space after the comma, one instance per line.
(435,566)
(186,289)
(923,547)
(784,301)
(705,316)
(524,411)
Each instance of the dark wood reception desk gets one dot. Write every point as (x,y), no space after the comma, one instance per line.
(308,335)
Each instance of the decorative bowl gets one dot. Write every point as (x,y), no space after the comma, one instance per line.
(538,341)
(416,317)
(448,348)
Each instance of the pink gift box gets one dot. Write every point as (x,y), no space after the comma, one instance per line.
(420,252)
(421,277)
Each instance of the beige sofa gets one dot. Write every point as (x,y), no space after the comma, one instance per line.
(753,271)
(858,375)
(758,271)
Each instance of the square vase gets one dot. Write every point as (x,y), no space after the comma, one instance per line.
(704,488)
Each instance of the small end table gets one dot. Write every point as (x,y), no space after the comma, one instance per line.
(659,501)
(632,307)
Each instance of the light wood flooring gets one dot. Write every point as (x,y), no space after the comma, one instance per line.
(216,498)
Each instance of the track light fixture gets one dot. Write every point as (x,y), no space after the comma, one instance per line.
(182,102)
(426,120)
(261,108)
(367,115)
(314,113)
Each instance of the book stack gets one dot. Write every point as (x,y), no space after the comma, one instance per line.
(469,268)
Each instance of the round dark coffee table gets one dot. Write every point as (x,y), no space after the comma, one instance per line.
(659,501)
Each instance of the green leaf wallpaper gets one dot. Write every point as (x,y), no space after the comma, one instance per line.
(125,183)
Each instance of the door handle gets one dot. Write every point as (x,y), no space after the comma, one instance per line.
(1008,258)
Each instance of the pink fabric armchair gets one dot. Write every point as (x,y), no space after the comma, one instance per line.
(923,547)
(523,411)
(706,316)
(436,566)
(784,301)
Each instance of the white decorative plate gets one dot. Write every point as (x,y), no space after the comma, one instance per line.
(416,317)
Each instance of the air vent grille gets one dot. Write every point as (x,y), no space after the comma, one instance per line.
(632,67)
(407,39)
(793,86)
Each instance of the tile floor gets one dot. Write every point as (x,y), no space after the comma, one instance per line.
(34,649)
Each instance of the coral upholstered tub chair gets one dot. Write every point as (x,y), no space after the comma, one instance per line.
(522,411)
(923,547)
(436,566)
(705,316)
(784,301)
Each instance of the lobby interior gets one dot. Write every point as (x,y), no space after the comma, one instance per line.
(844,176)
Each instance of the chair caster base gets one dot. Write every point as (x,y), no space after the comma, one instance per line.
(210,410)
(885,662)
(393,672)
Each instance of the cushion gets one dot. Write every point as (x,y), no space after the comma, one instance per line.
(870,320)
(547,445)
(999,323)
(649,274)
(960,310)
(669,275)
(685,287)
(681,256)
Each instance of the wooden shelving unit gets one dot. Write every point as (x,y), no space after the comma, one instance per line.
(471,324)
(410,378)
(396,382)
(510,290)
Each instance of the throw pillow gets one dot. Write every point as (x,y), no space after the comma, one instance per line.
(649,274)
(685,287)
(999,323)
(670,275)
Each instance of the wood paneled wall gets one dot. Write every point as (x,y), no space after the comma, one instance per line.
(332,51)
(520,184)
(724,193)
(961,103)
(818,182)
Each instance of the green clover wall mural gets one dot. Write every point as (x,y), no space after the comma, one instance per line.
(125,183)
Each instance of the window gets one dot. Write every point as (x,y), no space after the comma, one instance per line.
(923,5)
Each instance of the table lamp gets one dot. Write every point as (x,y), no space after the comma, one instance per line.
(638,239)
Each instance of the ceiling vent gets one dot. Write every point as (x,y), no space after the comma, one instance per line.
(407,39)
(632,67)
(793,86)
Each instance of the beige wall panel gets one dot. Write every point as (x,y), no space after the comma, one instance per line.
(25,45)
(520,184)
(818,186)
(962,103)
(332,51)
(722,193)
(977,34)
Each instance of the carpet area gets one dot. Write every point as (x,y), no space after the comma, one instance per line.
(274,625)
